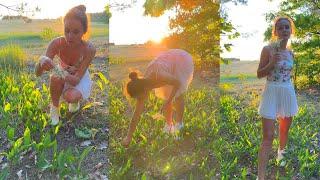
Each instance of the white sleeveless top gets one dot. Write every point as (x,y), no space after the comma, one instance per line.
(282,69)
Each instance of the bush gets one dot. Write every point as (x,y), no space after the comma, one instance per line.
(302,82)
(47,34)
(12,57)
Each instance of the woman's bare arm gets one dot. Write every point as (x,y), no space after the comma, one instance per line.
(135,119)
(51,51)
(266,62)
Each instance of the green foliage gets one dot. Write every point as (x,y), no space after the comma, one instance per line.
(12,57)
(27,127)
(48,34)
(155,155)
(84,133)
(107,12)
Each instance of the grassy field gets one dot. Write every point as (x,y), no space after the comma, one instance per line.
(30,148)
(29,37)
(241,74)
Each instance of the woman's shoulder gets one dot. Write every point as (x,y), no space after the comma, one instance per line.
(58,42)
(266,49)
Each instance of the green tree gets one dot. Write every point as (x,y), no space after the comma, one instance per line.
(107,12)
(196,27)
(306,45)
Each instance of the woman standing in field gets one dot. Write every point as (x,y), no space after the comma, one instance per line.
(170,75)
(71,80)
(278,98)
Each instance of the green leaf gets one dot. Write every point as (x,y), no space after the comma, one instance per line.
(88,105)
(56,130)
(10,133)
(103,78)
(100,85)
(83,133)
(4,173)
(61,159)
(26,136)
(43,163)
(7,107)
(17,143)
(47,140)
(144,176)
(83,155)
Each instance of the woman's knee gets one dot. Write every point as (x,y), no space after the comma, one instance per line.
(72,95)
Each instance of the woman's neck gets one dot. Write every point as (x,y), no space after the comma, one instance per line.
(283,44)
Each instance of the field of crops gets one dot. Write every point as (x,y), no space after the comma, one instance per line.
(155,154)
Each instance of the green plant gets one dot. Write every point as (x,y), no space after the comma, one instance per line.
(12,57)
(48,34)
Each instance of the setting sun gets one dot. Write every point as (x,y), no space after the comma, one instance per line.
(157,39)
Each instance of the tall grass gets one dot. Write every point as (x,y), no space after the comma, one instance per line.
(12,57)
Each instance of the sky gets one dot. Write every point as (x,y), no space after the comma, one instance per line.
(249,20)
(54,8)
(130,27)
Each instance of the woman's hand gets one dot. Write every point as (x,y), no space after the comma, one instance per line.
(275,57)
(46,64)
(71,70)
(72,79)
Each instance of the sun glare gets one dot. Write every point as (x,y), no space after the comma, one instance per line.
(157,39)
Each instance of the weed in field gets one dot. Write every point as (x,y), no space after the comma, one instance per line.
(153,153)
(12,57)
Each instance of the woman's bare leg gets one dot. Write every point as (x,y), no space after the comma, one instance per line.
(266,147)
(168,113)
(179,106)
(72,95)
(56,88)
(284,126)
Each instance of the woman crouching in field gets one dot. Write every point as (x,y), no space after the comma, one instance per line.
(70,79)
(278,98)
(170,75)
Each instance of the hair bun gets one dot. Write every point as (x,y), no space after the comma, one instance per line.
(133,76)
(82,8)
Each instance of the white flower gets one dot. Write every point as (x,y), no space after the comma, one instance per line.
(57,70)
(275,45)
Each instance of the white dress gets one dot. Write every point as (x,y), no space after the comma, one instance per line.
(279,98)
(176,62)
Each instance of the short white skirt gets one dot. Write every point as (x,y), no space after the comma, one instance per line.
(180,65)
(84,86)
(278,100)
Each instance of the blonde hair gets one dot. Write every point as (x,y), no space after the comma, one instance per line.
(275,22)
